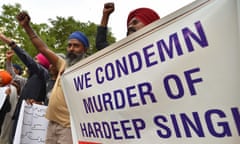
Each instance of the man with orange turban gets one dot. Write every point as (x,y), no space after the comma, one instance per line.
(8,107)
(5,79)
(34,90)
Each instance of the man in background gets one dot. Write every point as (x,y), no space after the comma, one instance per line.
(136,20)
(59,127)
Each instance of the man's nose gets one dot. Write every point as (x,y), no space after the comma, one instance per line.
(70,48)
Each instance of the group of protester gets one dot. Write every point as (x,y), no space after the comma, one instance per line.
(42,86)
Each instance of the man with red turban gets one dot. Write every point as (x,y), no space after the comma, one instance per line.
(136,20)
(139,18)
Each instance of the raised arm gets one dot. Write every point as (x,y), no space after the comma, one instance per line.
(24,20)
(9,65)
(107,10)
(101,37)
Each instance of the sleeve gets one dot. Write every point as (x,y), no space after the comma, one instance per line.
(25,57)
(61,65)
(101,38)
(22,80)
(10,69)
(31,64)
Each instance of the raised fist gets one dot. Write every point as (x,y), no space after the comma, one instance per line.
(23,18)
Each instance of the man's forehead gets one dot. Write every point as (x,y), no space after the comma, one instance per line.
(134,19)
(74,41)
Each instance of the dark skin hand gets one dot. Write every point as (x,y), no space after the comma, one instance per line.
(23,18)
(107,10)
(108,7)
(24,21)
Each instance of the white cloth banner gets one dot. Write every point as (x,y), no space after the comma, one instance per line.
(32,124)
(175,81)
(3,95)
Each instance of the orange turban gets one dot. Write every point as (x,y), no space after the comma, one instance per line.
(6,77)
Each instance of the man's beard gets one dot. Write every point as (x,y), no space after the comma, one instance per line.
(72,58)
(131,30)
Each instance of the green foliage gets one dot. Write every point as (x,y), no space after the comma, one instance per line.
(8,26)
(54,35)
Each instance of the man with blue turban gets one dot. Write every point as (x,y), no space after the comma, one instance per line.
(73,57)
(59,130)
(18,69)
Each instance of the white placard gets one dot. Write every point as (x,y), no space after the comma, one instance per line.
(32,124)
(2,95)
(175,81)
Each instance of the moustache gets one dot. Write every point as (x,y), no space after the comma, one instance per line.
(131,30)
(73,58)
(71,55)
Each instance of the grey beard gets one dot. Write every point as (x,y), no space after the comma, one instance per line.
(72,59)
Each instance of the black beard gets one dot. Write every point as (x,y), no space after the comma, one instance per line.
(131,30)
(72,58)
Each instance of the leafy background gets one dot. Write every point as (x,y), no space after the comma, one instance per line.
(54,33)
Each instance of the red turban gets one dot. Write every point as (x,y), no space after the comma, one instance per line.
(145,15)
(6,77)
(43,60)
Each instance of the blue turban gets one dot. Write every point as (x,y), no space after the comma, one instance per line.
(81,37)
(18,67)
